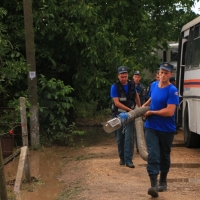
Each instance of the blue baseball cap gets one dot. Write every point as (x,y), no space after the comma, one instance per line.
(166,66)
(137,73)
(122,69)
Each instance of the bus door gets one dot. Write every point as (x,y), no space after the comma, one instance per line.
(180,80)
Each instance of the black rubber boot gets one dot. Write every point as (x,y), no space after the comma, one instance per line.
(153,190)
(162,182)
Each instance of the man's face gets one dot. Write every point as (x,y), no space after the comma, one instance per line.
(136,78)
(157,77)
(123,78)
(164,75)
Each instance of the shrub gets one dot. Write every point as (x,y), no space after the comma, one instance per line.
(55,102)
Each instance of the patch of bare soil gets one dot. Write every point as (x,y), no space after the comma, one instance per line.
(93,172)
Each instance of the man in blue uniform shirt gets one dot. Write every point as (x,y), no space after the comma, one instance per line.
(124,96)
(141,90)
(156,78)
(172,80)
(160,128)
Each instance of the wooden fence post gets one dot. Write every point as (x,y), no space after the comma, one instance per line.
(23,121)
(3,191)
(22,166)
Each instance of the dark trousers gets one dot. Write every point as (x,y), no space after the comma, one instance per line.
(124,141)
(159,147)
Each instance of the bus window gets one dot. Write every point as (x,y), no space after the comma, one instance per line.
(196,61)
(189,51)
(174,55)
(196,32)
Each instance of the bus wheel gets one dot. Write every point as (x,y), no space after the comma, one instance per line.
(191,139)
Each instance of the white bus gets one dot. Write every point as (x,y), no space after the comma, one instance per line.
(188,83)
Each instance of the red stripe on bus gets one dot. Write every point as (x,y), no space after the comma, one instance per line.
(192,80)
(191,86)
(192,83)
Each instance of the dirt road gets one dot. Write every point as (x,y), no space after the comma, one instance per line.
(91,171)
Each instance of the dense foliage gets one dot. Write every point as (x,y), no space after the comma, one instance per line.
(81,43)
(55,102)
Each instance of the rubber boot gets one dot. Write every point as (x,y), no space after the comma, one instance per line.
(162,182)
(153,190)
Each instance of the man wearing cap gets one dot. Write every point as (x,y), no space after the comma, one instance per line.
(172,80)
(125,97)
(160,128)
(141,90)
(156,78)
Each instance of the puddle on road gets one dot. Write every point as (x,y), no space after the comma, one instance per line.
(181,165)
(185,165)
(178,145)
(45,167)
(186,180)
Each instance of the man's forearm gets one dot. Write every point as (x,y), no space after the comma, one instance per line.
(147,103)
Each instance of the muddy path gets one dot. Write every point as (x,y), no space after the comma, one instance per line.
(91,170)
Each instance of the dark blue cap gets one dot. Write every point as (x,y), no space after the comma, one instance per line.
(172,79)
(122,69)
(166,66)
(137,73)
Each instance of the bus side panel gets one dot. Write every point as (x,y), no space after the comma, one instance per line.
(192,118)
(191,93)
(197,116)
(192,104)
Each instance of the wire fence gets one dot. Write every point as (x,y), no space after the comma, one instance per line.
(7,130)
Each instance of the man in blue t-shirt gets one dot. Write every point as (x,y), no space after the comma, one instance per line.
(125,97)
(160,128)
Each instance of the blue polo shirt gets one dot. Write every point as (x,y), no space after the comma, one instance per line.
(160,97)
(141,92)
(113,90)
